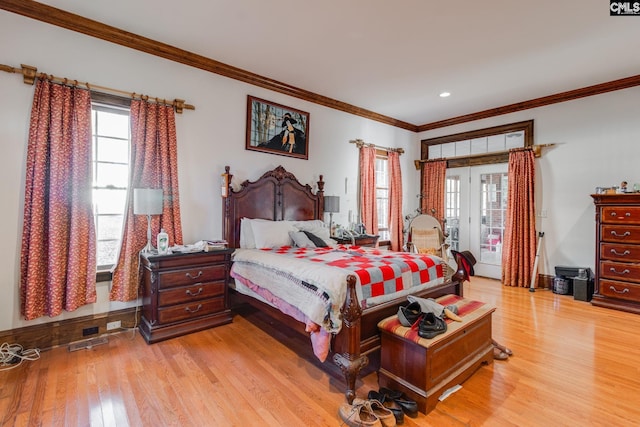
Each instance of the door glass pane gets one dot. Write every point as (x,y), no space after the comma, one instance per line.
(493,205)
(452,211)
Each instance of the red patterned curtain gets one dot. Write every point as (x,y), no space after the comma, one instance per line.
(368,204)
(154,164)
(58,256)
(519,248)
(433,187)
(395,201)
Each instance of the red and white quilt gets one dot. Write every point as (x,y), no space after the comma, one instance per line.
(313,280)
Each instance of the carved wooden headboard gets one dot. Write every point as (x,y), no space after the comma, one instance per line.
(276,195)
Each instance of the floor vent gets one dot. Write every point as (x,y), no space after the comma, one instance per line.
(88,344)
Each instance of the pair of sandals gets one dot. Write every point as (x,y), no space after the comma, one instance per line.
(500,352)
(395,401)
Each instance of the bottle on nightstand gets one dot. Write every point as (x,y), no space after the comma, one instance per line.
(163,242)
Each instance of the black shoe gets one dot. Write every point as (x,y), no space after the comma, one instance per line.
(410,314)
(410,407)
(431,325)
(388,403)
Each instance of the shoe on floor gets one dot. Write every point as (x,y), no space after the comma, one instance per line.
(385,415)
(360,415)
(499,354)
(502,348)
(409,407)
(388,403)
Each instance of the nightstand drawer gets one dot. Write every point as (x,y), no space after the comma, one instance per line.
(191,293)
(192,310)
(190,276)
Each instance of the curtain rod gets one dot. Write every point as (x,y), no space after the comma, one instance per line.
(361,143)
(30,73)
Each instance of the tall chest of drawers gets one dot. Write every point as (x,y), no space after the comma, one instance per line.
(617,278)
(184,293)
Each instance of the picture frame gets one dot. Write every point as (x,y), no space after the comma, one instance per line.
(277,129)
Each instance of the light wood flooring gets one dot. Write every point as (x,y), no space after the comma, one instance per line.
(573,365)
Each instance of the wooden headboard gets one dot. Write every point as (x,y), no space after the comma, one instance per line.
(276,195)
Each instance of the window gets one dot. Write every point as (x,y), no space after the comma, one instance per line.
(382,194)
(111,138)
(479,147)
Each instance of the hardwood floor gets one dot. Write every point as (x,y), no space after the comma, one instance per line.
(573,365)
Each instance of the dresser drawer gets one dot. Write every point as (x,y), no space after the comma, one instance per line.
(619,233)
(619,252)
(177,313)
(620,290)
(191,293)
(620,215)
(190,276)
(620,271)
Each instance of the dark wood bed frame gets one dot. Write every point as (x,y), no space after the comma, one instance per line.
(278,195)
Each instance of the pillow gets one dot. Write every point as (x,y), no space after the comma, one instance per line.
(271,234)
(316,240)
(315,226)
(247,239)
(301,240)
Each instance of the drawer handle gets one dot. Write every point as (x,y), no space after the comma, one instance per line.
(613,270)
(188,292)
(188,309)
(628,214)
(624,291)
(613,251)
(194,277)
(626,233)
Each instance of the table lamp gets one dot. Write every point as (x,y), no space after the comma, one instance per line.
(147,201)
(331,205)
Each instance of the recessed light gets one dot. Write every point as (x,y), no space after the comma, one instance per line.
(444,94)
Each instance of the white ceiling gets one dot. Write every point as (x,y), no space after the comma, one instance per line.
(395,57)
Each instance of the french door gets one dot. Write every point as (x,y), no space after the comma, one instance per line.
(475,210)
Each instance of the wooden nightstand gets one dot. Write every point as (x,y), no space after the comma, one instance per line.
(362,240)
(184,293)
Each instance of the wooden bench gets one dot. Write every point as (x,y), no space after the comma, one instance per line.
(424,368)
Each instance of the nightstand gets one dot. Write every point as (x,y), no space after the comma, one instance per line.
(362,240)
(184,293)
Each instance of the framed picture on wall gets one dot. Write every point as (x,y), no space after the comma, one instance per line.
(276,129)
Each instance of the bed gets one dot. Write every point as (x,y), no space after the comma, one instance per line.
(278,196)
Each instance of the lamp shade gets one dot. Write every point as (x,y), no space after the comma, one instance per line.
(331,204)
(147,201)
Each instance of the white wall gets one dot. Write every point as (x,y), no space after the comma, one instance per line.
(597,145)
(209,138)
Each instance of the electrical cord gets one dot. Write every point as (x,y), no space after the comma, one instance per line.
(12,355)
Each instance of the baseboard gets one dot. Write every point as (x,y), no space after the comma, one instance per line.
(59,333)
(545,281)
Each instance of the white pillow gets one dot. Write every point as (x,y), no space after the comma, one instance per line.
(247,239)
(271,234)
(301,240)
